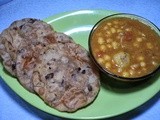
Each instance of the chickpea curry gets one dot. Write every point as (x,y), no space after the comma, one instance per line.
(126,47)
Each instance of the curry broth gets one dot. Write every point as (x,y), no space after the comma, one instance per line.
(126,47)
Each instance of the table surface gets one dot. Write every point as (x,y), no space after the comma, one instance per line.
(15,108)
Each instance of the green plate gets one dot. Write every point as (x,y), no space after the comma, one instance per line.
(110,101)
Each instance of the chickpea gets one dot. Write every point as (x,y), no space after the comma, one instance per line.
(106,27)
(142,64)
(107,57)
(125,74)
(113,30)
(149,45)
(115,45)
(109,24)
(103,48)
(143,35)
(134,66)
(140,58)
(100,60)
(109,46)
(119,31)
(132,72)
(139,39)
(109,40)
(154,63)
(139,72)
(108,33)
(108,65)
(119,70)
(100,40)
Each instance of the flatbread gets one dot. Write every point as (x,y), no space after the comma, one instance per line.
(23,32)
(65,81)
(27,57)
(49,64)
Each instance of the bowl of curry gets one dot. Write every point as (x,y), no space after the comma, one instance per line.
(125,47)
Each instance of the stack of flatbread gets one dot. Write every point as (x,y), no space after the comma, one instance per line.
(49,64)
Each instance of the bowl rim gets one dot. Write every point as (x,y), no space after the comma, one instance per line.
(125,15)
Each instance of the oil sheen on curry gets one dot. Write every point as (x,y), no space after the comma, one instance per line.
(126,47)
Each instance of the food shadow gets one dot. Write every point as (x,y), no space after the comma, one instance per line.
(123,87)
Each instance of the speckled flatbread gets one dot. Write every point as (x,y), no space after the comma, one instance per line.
(64,80)
(49,64)
(23,32)
(27,58)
